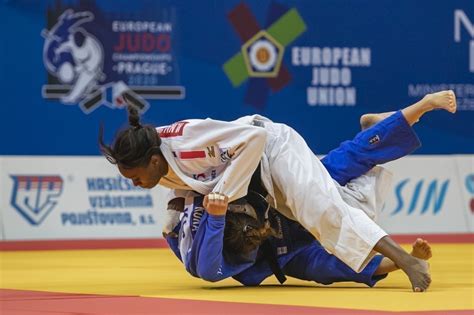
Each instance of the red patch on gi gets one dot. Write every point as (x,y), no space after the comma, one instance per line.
(187,155)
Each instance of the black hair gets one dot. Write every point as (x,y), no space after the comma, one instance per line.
(134,146)
(243,233)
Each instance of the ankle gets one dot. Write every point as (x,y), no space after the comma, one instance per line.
(406,261)
(427,103)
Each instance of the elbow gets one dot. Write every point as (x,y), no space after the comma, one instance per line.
(210,275)
(211,279)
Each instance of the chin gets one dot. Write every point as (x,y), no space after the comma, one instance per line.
(150,186)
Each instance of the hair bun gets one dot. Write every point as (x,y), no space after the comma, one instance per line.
(133,117)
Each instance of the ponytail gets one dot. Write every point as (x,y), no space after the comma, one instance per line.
(134,146)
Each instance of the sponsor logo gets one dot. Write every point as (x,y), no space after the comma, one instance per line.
(196,219)
(260,58)
(470,188)
(35,196)
(226,155)
(113,201)
(93,58)
(205,176)
(211,151)
(199,176)
(190,221)
(422,196)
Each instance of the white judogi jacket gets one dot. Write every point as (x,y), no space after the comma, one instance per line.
(216,156)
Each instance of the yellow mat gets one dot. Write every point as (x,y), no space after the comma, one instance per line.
(158,273)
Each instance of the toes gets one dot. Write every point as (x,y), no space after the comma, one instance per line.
(453,101)
(423,286)
(418,289)
(418,242)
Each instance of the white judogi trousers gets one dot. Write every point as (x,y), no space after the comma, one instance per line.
(305,192)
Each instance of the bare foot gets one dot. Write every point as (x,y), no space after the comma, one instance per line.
(441,100)
(368,120)
(421,249)
(418,272)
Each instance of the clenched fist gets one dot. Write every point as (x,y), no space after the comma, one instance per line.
(216,203)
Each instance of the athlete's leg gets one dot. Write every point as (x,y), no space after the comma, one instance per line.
(315,264)
(368,120)
(303,185)
(441,100)
(390,137)
(310,193)
(388,140)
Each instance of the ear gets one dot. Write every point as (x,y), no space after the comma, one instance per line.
(155,160)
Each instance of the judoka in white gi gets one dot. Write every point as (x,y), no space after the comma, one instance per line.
(217,159)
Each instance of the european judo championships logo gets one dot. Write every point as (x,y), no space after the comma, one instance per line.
(75,57)
(94,57)
(260,58)
(34,197)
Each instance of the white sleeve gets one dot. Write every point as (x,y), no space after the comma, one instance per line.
(176,193)
(171,217)
(244,145)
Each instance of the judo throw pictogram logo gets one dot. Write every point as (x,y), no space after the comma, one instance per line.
(74,59)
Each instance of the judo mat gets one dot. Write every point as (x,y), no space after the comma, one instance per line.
(153,281)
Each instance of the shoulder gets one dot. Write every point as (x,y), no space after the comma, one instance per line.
(177,129)
(191,127)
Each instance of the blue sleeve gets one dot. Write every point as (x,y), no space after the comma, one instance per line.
(386,141)
(206,258)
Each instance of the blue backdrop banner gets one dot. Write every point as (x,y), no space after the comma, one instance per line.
(315,65)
